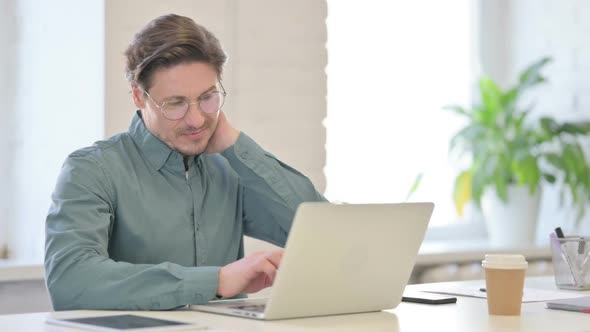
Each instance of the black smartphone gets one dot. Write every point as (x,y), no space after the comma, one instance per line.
(428,298)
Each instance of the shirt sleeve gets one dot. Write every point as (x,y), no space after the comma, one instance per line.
(271,189)
(79,272)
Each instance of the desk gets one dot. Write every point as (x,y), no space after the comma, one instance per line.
(468,314)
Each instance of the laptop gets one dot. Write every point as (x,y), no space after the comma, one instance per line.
(340,259)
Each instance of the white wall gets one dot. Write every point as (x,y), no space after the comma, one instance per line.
(532,29)
(279,66)
(494,28)
(58,106)
(7,114)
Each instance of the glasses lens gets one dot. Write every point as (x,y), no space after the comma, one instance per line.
(175,110)
(211,102)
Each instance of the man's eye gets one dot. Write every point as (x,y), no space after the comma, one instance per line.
(208,96)
(175,103)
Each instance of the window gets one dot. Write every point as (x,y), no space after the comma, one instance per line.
(55,106)
(392,66)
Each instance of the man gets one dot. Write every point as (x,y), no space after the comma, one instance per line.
(154,218)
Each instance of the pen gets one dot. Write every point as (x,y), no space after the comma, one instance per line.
(566,257)
(559,233)
(581,245)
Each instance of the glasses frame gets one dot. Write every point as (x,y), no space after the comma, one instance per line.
(198,102)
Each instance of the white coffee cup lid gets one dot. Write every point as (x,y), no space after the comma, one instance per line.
(504,262)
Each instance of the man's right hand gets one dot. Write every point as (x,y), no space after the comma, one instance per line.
(249,274)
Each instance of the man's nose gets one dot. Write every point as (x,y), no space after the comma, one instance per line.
(194,117)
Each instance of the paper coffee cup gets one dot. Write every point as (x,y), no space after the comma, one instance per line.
(504,283)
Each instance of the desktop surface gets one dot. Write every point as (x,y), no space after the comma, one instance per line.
(468,314)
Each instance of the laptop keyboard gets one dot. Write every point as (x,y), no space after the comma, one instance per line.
(251,307)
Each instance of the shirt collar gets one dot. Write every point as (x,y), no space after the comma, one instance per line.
(154,150)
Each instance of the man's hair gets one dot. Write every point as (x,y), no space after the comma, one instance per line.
(169,40)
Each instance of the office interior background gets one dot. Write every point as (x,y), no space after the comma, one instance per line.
(351,93)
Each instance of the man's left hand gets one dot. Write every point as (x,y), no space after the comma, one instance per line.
(224,136)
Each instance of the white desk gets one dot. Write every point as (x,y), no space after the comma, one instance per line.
(468,314)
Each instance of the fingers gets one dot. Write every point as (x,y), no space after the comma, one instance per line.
(268,269)
(275,257)
(249,274)
(268,264)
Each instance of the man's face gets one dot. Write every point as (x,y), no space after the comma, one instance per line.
(190,134)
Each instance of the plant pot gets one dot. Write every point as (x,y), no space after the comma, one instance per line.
(514,223)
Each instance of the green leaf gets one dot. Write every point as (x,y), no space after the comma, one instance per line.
(490,166)
(457,109)
(555,160)
(549,125)
(520,120)
(415,185)
(549,178)
(572,189)
(501,186)
(548,130)
(462,191)
(574,128)
(509,97)
(577,171)
(531,75)
(479,180)
(527,171)
(572,161)
(467,136)
(491,97)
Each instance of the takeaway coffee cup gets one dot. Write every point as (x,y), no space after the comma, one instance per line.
(504,283)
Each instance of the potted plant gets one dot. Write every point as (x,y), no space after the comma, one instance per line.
(512,154)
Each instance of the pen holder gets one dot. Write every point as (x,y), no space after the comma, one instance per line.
(571,262)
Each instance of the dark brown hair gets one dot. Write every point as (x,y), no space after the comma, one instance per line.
(167,41)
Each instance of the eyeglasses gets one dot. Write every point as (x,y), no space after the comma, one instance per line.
(176,108)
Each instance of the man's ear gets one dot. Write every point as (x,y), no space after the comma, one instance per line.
(137,95)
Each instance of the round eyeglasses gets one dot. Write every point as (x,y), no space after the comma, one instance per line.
(176,108)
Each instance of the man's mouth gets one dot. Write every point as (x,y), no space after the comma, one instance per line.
(194,134)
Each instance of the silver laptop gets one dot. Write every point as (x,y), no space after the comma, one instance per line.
(340,259)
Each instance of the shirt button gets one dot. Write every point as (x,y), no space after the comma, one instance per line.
(273,179)
(244,154)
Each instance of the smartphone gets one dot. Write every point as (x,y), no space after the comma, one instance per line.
(428,298)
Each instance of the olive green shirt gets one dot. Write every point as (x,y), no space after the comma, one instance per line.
(129,228)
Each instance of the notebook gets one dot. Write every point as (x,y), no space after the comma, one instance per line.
(581,304)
